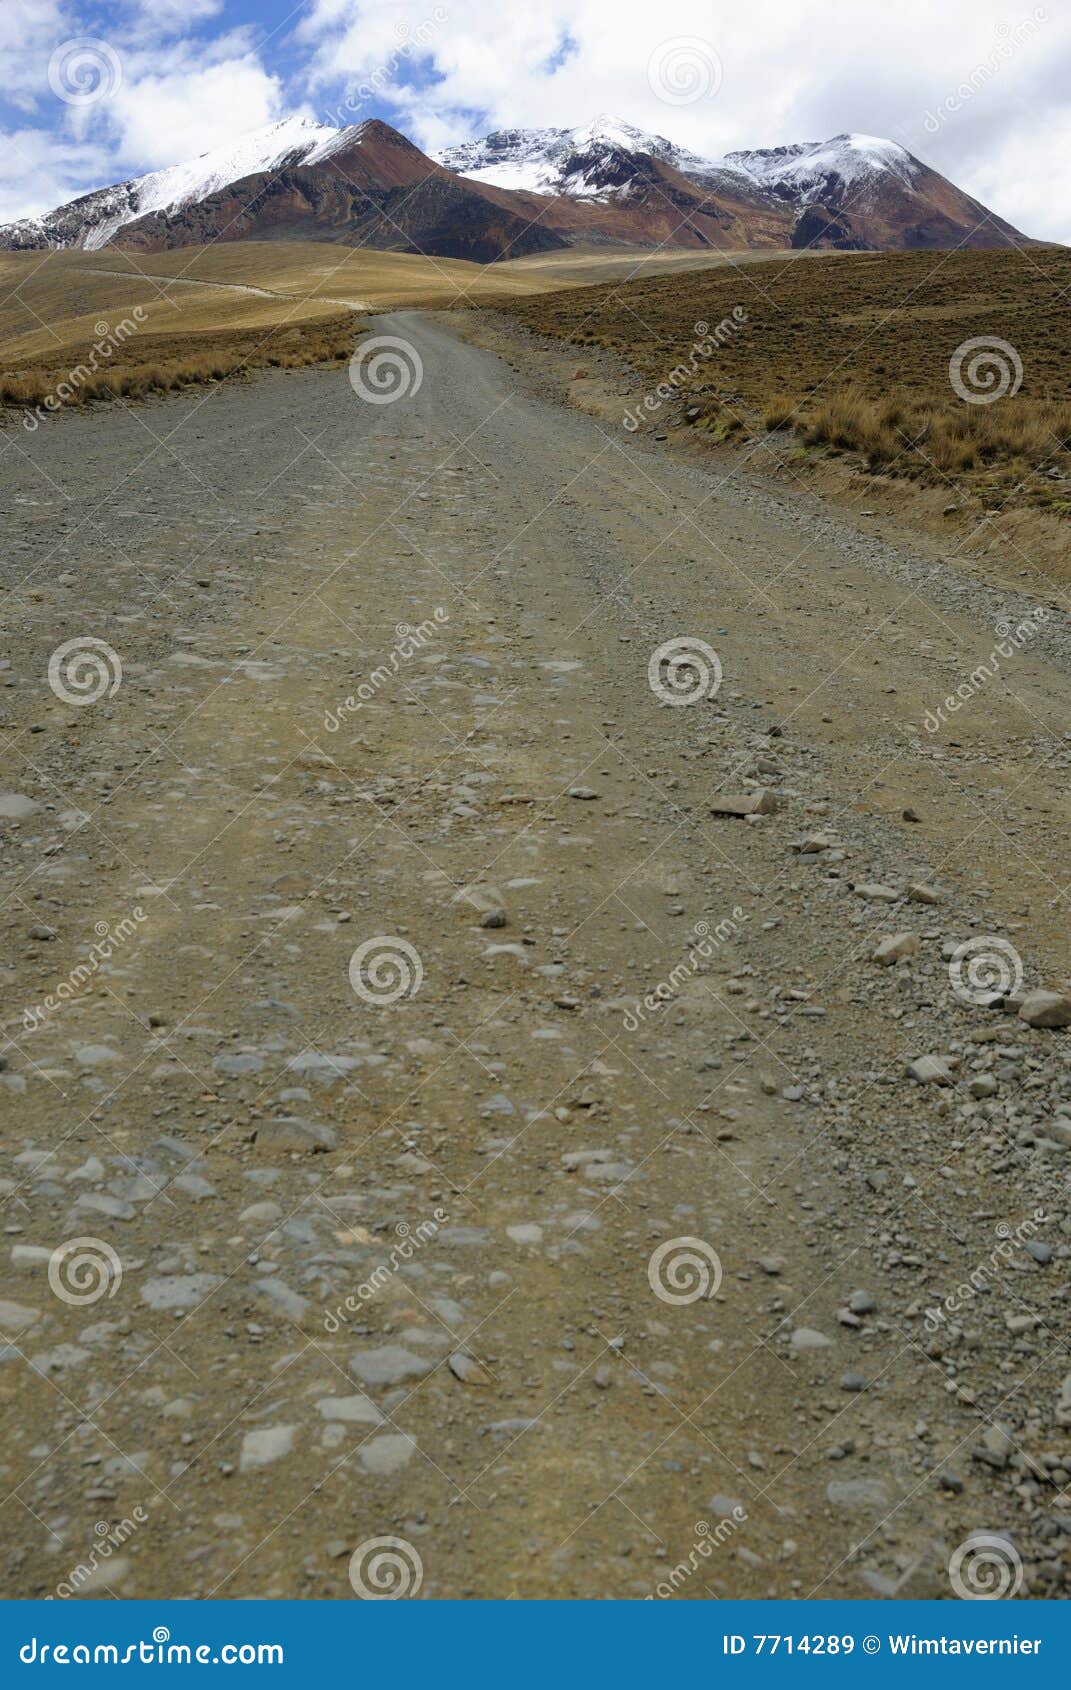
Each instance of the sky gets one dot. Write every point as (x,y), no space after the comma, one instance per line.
(93,93)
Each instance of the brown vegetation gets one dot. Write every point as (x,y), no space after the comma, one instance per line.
(852,352)
(146,364)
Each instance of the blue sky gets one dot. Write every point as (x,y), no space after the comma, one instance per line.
(981,89)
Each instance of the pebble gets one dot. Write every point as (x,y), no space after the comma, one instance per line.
(265,1445)
(806,1338)
(388,1365)
(387,1454)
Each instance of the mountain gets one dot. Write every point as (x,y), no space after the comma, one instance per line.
(853,190)
(561,161)
(521,191)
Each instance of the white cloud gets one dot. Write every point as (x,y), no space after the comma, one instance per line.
(160,116)
(445,69)
(38,171)
(29,30)
(791,70)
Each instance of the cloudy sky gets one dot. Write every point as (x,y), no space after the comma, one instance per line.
(980,90)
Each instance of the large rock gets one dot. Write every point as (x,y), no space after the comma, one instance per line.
(292,1133)
(1046,1009)
(758,803)
(388,1365)
(265,1445)
(930,1071)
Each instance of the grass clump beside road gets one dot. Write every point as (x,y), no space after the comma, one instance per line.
(851,353)
(145,364)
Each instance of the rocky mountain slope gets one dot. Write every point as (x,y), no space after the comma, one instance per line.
(521,191)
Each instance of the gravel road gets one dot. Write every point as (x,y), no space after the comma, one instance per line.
(431,1113)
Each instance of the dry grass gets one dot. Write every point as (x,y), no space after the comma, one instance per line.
(148,364)
(852,351)
(209,312)
(954,439)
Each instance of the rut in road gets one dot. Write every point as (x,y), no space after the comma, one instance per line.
(480,1142)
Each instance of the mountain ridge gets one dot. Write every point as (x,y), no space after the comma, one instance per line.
(518,191)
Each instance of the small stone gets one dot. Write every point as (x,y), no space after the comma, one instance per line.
(930,1070)
(265,1445)
(854,1494)
(357,1410)
(806,1338)
(861,1302)
(527,1234)
(179,1290)
(388,1365)
(16,807)
(16,1317)
(290,1133)
(468,1371)
(387,1454)
(982,1085)
(895,948)
(494,918)
(919,893)
(853,1382)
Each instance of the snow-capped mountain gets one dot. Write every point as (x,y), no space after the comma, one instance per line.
(560,161)
(853,190)
(519,191)
(100,215)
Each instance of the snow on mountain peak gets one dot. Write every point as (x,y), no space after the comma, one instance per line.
(854,158)
(291,140)
(558,161)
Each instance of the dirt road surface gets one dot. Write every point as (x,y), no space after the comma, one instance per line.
(424,1116)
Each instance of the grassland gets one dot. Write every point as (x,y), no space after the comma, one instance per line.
(209,313)
(852,352)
